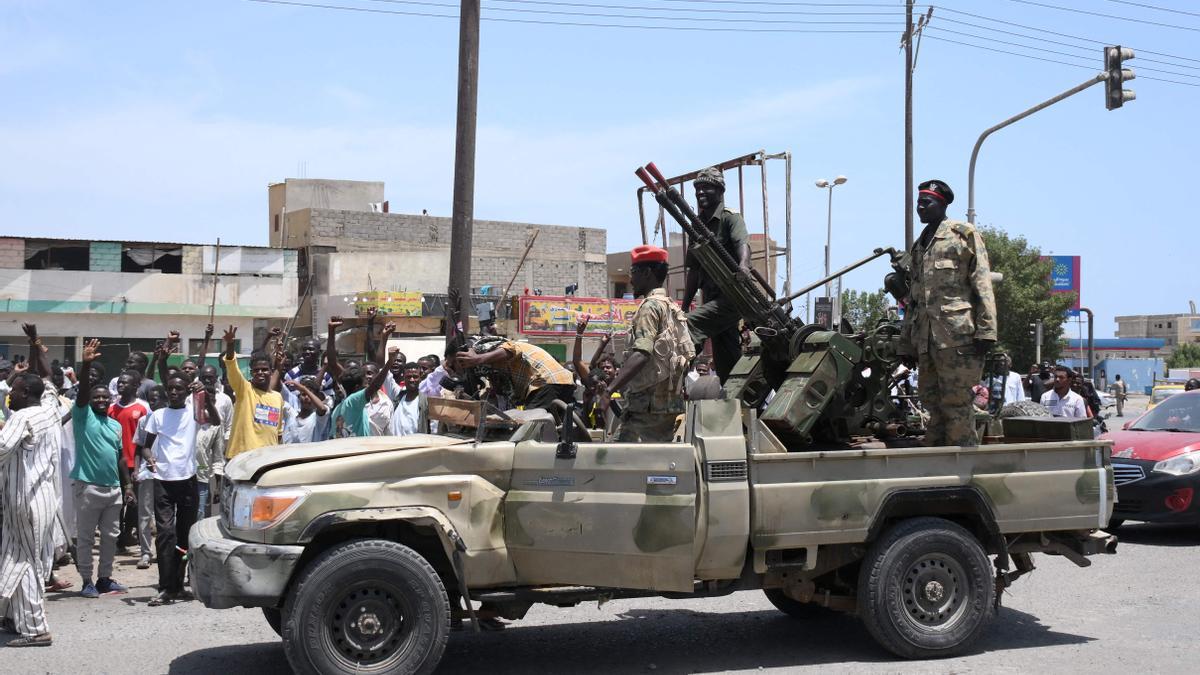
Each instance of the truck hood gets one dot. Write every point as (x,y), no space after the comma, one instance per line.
(249,464)
(1153,446)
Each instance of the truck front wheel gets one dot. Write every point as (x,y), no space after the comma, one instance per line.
(925,589)
(367,606)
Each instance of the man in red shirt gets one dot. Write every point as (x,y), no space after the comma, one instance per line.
(128,409)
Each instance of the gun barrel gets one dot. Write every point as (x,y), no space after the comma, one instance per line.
(848,268)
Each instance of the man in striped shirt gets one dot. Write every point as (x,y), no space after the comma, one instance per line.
(536,378)
(29,444)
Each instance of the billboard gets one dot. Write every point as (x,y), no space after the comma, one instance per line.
(1064,277)
(555,315)
(390,303)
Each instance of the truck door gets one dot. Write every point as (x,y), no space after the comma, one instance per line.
(618,514)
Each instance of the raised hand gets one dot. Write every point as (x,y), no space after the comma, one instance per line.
(208,331)
(230,335)
(335,322)
(91,351)
(30,330)
(372,312)
(389,328)
(582,324)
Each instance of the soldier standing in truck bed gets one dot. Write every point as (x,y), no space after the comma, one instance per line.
(950,322)
(717,319)
(660,351)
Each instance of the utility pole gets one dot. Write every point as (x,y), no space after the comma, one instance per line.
(463,216)
(908,126)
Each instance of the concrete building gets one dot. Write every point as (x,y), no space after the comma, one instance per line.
(131,293)
(1173,329)
(346,251)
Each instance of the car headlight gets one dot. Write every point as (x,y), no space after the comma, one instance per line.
(255,508)
(1187,463)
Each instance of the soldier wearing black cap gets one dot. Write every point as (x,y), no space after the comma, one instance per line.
(717,319)
(950,316)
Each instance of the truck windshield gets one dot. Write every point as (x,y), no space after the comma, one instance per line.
(1178,413)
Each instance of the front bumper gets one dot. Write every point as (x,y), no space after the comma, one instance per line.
(230,573)
(1145,499)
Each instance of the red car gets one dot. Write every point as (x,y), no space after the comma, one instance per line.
(1156,464)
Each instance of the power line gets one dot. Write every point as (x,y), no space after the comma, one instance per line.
(1066,35)
(1141,59)
(1106,16)
(587,24)
(1052,51)
(696,10)
(605,15)
(1039,58)
(1161,9)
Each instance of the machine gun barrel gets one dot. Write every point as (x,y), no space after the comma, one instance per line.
(848,268)
(755,305)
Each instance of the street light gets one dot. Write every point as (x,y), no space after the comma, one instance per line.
(836,301)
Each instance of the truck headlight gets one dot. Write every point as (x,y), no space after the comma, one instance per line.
(1187,463)
(255,508)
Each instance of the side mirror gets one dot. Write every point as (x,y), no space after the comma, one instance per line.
(1127,425)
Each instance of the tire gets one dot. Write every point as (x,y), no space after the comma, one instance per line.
(1114,524)
(801,611)
(274,617)
(926,589)
(367,606)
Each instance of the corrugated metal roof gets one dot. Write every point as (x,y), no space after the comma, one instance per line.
(131,242)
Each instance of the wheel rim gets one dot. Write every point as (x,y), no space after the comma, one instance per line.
(934,591)
(370,623)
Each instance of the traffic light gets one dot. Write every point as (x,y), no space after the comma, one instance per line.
(1114,95)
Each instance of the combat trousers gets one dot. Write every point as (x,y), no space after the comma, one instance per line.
(647,427)
(944,385)
(717,320)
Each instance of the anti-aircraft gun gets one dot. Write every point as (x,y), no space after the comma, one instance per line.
(829,385)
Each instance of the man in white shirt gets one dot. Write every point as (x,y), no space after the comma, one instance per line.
(308,420)
(410,416)
(170,454)
(1061,401)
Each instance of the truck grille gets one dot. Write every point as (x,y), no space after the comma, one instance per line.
(1127,473)
(725,470)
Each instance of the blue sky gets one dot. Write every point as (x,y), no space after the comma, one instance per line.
(161,120)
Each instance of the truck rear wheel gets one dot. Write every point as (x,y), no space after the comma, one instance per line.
(925,589)
(274,617)
(367,606)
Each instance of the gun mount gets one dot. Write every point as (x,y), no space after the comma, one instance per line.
(829,385)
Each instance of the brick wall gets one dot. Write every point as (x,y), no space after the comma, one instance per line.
(561,255)
(104,256)
(12,253)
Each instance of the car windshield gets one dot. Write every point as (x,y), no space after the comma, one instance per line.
(1161,395)
(1179,413)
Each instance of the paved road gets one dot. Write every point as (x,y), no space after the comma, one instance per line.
(1131,611)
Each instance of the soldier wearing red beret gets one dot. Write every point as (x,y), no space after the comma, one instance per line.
(660,351)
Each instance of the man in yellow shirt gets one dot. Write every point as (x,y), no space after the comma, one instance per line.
(257,408)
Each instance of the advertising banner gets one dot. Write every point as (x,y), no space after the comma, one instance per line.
(390,303)
(550,315)
(1064,277)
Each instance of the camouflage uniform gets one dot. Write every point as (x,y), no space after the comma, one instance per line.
(717,318)
(651,404)
(951,307)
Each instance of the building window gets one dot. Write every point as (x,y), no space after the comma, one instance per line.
(168,260)
(619,289)
(57,255)
(1168,324)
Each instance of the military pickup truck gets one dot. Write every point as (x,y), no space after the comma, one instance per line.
(360,551)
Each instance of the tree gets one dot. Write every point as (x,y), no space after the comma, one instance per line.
(1023,297)
(1186,355)
(864,309)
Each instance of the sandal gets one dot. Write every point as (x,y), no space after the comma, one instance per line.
(59,585)
(43,640)
(163,598)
